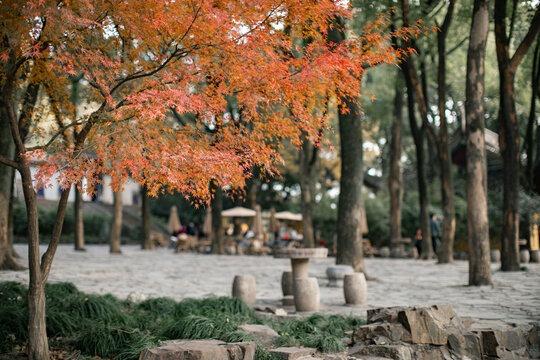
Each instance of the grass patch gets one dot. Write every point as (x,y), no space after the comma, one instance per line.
(103,326)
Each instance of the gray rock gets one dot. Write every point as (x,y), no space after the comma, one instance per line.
(520,341)
(535,256)
(396,352)
(378,333)
(292,353)
(200,350)
(264,335)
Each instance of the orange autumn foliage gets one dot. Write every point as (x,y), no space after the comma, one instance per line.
(183,91)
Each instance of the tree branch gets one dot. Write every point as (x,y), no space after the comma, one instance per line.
(4,160)
(527,41)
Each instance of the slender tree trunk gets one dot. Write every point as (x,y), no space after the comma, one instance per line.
(477,211)
(216,204)
(529,136)
(395,178)
(509,135)
(418,136)
(116,228)
(146,241)
(7,173)
(79,222)
(446,251)
(307,160)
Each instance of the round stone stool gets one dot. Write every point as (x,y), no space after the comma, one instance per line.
(384,252)
(495,255)
(244,288)
(287,283)
(535,256)
(336,273)
(355,289)
(306,294)
(524,256)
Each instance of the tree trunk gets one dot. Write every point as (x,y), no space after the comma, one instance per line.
(446,251)
(116,228)
(395,178)
(79,222)
(418,136)
(509,131)
(146,241)
(307,156)
(216,204)
(477,211)
(529,136)
(7,173)
(38,348)
(349,222)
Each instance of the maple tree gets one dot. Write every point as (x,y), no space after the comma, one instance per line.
(159,75)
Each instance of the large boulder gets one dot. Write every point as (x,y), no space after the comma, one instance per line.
(200,350)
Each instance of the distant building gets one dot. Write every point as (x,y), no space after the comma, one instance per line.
(52,191)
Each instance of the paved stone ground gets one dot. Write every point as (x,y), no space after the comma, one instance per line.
(514,297)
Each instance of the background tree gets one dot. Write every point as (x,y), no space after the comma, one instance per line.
(477,220)
(509,132)
(395,176)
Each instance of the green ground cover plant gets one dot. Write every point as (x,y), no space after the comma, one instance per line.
(109,328)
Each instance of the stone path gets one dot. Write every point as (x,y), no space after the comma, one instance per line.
(514,298)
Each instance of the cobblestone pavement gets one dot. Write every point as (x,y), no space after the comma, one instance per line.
(513,298)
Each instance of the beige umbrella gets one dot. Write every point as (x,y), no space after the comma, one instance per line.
(273,225)
(238,212)
(288,216)
(257,222)
(207,225)
(174,225)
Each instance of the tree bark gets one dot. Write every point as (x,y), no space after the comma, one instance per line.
(79,222)
(509,135)
(7,173)
(395,178)
(477,211)
(529,135)
(216,204)
(308,157)
(349,222)
(116,228)
(418,136)
(446,251)
(146,240)
(415,89)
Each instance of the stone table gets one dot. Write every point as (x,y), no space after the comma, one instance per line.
(300,258)
(306,290)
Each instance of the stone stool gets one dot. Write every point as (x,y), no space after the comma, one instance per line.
(495,255)
(524,256)
(287,283)
(384,252)
(535,256)
(306,294)
(244,288)
(336,273)
(355,289)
